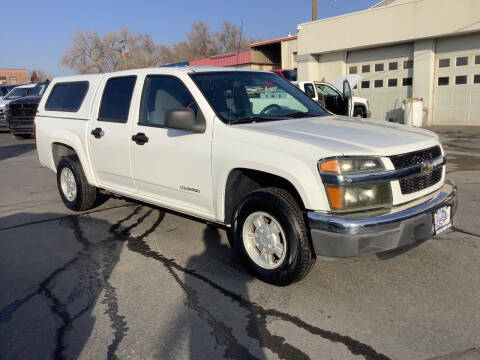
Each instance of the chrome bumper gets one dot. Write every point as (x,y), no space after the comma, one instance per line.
(350,235)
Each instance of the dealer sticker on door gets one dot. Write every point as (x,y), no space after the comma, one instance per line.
(442,219)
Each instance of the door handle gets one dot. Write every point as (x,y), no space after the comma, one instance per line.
(140,138)
(98,133)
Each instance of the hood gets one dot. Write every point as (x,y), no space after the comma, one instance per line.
(338,135)
(4,102)
(353,80)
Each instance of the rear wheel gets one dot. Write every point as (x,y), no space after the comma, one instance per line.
(269,233)
(77,194)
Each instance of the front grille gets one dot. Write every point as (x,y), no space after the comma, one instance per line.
(415,157)
(420,182)
(23,110)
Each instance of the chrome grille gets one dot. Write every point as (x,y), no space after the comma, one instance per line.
(415,157)
(420,182)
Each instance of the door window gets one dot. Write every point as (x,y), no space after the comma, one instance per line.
(161,94)
(309,90)
(116,99)
(326,90)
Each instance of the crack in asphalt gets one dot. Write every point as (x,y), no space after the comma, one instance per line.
(103,254)
(258,314)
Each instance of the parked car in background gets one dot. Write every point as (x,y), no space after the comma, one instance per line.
(290,75)
(5,88)
(329,95)
(15,93)
(20,113)
(289,181)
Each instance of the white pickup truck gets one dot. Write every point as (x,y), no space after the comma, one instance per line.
(249,151)
(337,96)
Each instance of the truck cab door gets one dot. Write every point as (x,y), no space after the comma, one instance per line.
(172,167)
(109,134)
(347,98)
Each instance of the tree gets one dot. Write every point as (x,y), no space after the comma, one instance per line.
(38,75)
(92,53)
(231,39)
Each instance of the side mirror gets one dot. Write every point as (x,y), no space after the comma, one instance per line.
(184,119)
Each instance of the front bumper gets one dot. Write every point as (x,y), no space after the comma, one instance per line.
(20,127)
(336,236)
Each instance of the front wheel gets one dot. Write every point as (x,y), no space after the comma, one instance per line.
(77,194)
(269,232)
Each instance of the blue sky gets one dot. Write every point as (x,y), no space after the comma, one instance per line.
(35,33)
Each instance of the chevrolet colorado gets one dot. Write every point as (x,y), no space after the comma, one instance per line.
(250,151)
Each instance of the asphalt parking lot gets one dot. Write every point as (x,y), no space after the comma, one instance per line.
(129,281)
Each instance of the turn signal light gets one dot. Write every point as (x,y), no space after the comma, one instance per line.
(329,166)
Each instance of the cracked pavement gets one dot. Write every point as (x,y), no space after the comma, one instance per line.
(130,281)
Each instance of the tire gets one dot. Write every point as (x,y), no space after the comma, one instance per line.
(85,194)
(297,259)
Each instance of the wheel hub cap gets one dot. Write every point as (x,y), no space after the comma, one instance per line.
(264,240)
(68,184)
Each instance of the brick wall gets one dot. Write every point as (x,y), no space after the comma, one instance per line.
(13,76)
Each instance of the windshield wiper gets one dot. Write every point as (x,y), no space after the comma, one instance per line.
(256,118)
(300,114)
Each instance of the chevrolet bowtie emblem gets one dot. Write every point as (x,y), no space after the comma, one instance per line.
(427,168)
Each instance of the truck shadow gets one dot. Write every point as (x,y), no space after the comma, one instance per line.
(11,151)
(56,273)
(61,272)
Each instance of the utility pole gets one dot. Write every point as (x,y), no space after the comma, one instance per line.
(314,10)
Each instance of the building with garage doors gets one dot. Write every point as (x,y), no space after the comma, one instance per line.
(426,49)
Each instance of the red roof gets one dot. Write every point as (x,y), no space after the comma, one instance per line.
(243,57)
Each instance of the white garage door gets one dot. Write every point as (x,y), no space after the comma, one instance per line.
(457,81)
(387,78)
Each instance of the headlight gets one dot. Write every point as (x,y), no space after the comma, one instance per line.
(350,165)
(355,197)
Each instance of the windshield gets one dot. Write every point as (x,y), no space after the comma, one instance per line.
(38,90)
(243,96)
(5,89)
(290,75)
(16,93)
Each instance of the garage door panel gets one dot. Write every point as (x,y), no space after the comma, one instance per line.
(392,63)
(460,98)
(458,103)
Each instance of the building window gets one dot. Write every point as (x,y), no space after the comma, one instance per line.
(379,67)
(408,64)
(378,83)
(462,61)
(407,81)
(365,84)
(352,70)
(3,79)
(476,79)
(392,82)
(443,81)
(13,80)
(444,63)
(365,68)
(461,80)
(477,60)
(393,66)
